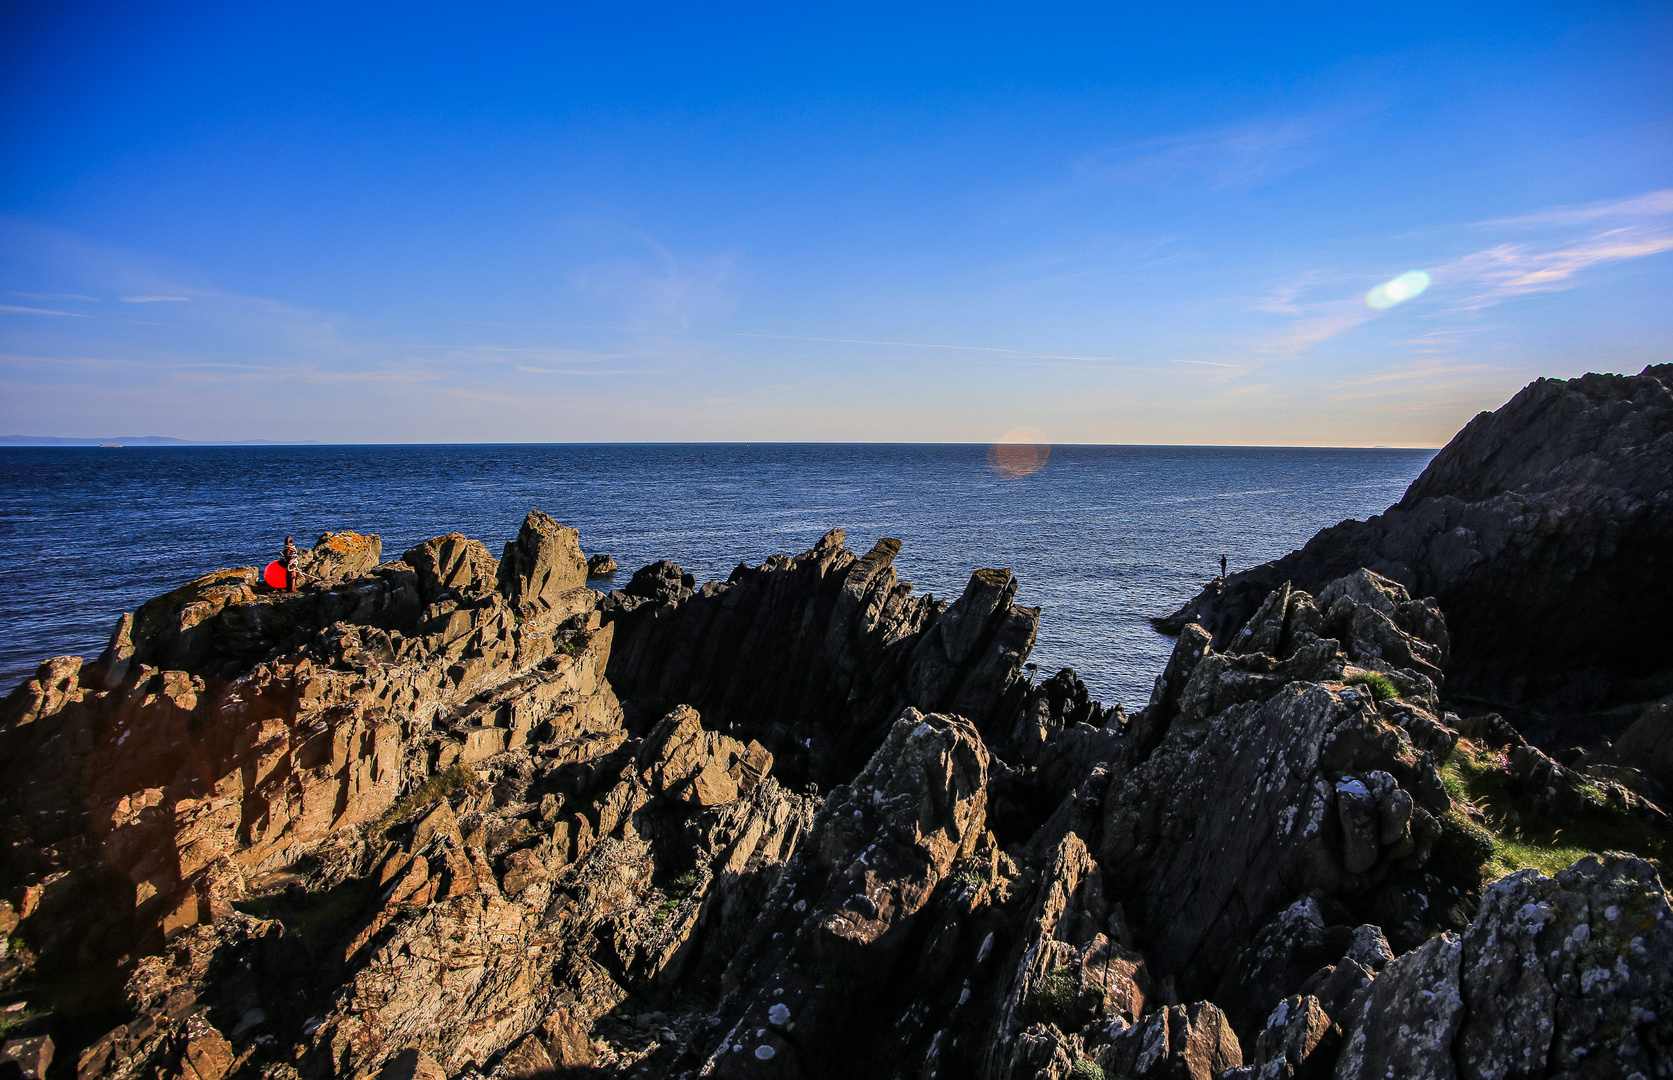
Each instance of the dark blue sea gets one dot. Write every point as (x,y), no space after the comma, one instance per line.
(1101,536)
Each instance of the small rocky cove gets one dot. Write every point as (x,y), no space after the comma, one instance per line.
(1393,809)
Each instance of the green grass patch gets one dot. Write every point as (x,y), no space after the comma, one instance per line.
(1056,999)
(673,896)
(1087,1069)
(438,787)
(1488,813)
(1378,685)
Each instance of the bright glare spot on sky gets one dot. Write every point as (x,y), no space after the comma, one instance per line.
(1407,285)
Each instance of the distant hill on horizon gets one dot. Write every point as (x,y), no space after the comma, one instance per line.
(142,440)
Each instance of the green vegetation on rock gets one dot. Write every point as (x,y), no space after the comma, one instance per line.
(1055,999)
(438,787)
(678,889)
(1378,685)
(1511,832)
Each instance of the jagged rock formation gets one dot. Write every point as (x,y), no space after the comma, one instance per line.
(1543,531)
(817,655)
(456,816)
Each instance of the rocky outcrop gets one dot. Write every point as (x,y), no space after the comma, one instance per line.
(1542,530)
(543,569)
(1179,1041)
(223,623)
(1564,976)
(30,1057)
(143,802)
(1277,774)
(338,557)
(403,826)
(1647,746)
(846,911)
(815,656)
(464,959)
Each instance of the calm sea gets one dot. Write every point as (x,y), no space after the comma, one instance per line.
(1101,536)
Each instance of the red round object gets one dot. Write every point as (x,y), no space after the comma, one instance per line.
(275,574)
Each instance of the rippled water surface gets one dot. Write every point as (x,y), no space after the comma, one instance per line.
(1101,537)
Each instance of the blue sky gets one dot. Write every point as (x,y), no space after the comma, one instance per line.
(1123,223)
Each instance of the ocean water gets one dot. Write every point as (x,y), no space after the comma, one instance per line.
(1101,537)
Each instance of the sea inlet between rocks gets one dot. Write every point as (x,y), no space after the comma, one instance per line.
(1101,537)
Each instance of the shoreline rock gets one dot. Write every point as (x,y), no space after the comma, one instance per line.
(463,817)
(1542,530)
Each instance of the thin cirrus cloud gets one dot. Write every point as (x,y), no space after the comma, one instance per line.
(154,299)
(1507,271)
(585,371)
(1572,243)
(663,290)
(1419,380)
(1638,226)
(12,309)
(1324,320)
(1649,206)
(1234,157)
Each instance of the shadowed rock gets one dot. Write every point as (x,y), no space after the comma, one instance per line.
(1542,530)
(814,656)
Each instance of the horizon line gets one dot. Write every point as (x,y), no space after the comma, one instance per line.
(163,442)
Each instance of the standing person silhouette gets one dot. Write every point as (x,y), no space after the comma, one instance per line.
(1222,568)
(290,565)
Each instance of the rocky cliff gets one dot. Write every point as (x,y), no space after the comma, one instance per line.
(460,816)
(1543,530)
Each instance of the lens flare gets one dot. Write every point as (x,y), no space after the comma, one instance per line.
(1019,452)
(1407,285)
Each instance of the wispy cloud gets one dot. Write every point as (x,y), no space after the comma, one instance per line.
(1650,205)
(1506,271)
(187,369)
(1286,297)
(1329,320)
(1400,376)
(584,371)
(1637,226)
(13,310)
(1231,157)
(1324,304)
(663,289)
(154,299)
